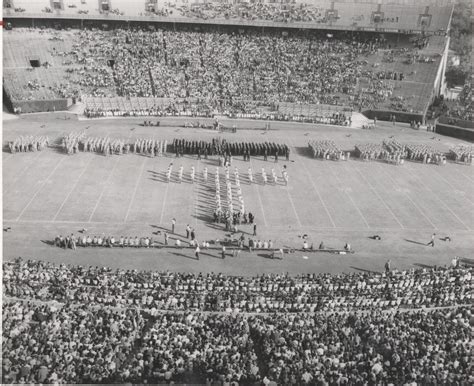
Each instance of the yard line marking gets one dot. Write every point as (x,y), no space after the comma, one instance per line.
(440,200)
(380,198)
(103,189)
(73,188)
(255,185)
(164,202)
(294,209)
(261,204)
(315,188)
(195,194)
(135,190)
(452,187)
(461,173)
(407,196)
(166,192)
(352,200)
(108,178)
(42,186)
(24,170)
(293,206)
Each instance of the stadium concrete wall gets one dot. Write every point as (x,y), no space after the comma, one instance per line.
(401,116)
(37,106)
(455,132)
(456,122)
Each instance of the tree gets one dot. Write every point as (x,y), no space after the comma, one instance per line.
(455,76)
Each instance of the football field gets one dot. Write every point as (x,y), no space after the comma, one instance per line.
(49,193)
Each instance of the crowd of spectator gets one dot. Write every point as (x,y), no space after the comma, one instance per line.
(276,12)
(228,66)
(77,343)
(462,108)
(229,71)
(216,292)
(75,324)
(374,348)
(201,109)
(67,344)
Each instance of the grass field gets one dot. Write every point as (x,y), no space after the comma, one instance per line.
(48,193)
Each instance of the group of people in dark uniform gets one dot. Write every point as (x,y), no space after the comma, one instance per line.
(220,146)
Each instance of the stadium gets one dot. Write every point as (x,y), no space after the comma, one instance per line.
(233,192)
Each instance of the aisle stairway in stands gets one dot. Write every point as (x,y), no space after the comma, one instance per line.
(152,83)
(359,120)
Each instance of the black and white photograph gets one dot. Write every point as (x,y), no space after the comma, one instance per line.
(237,192)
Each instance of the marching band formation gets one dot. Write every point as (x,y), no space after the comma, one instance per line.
(225,210)
(327,150)
(389,150)
(394,152)
(426,154)
(226,213)
(74,142)
(23,144)
(219,146)
(461,153)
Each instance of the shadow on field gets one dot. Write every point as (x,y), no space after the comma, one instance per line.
(363,269)
(215,226)
(60,150)
(265,255)
(157,176)
(414,242)
(208,254)
(202,217)
(424,265)
(183,255)
(167,230)
(303,151)
(209,161)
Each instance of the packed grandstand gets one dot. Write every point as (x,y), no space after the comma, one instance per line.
(74,324)
(213,68)
(310,61)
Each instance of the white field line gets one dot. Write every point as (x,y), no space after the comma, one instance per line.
(72,190)
(42,186)
(380,198)
(135,190)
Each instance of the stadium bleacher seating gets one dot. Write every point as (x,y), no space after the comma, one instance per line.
(308,80)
